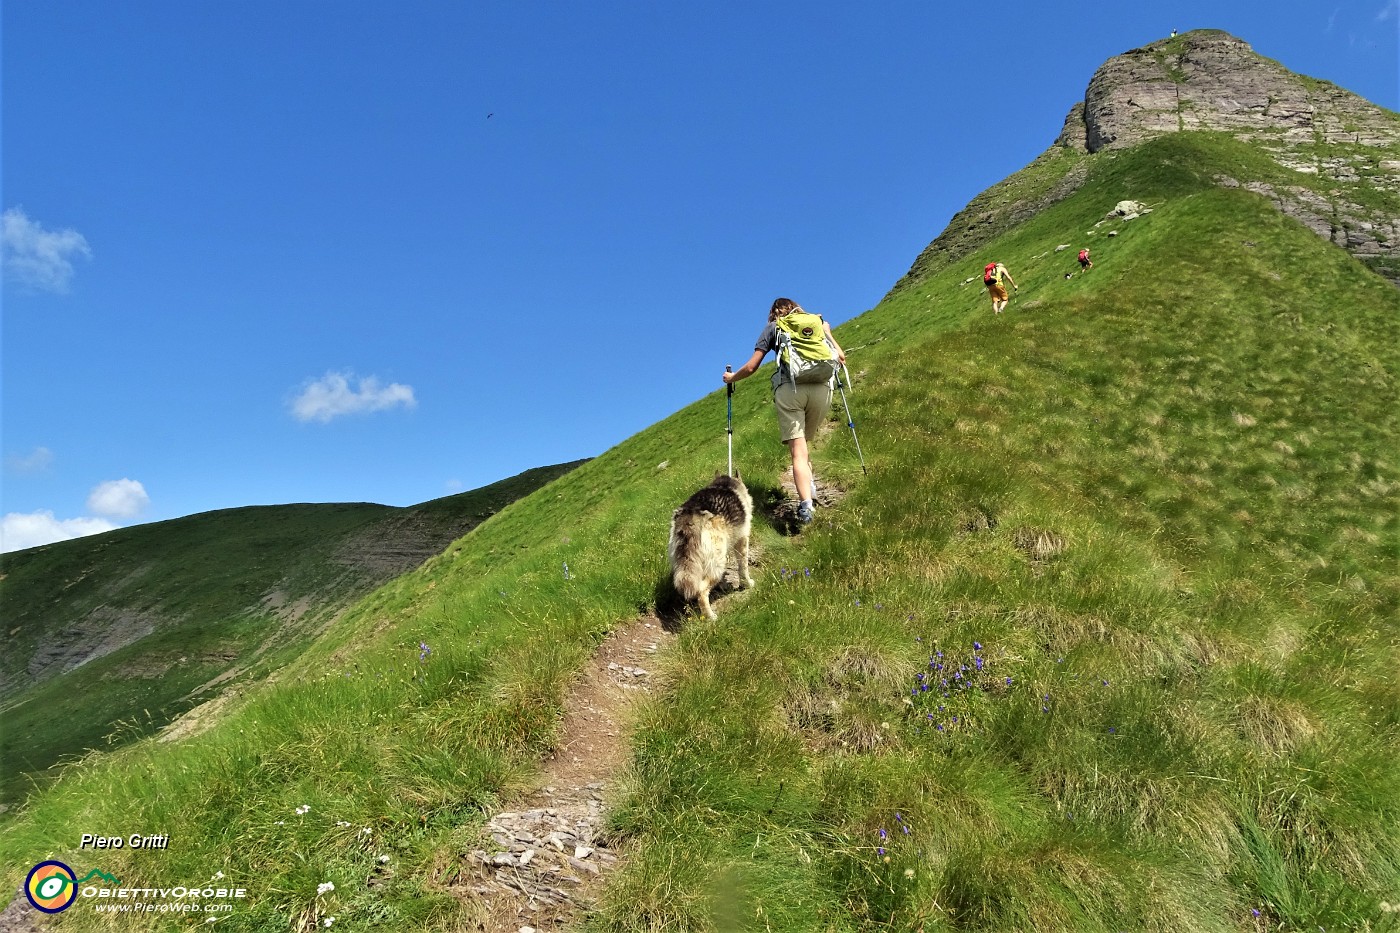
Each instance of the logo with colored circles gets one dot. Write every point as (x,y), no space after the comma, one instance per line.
(51,887)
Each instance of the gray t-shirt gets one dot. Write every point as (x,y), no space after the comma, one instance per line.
(767,339)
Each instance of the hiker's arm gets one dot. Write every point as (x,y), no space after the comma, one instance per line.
(1010,279)
(840,354)
(747,370)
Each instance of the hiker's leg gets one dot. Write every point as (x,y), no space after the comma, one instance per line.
(818,405)
(801,468)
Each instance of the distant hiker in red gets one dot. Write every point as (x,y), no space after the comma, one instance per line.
(1084,261)
(993,276)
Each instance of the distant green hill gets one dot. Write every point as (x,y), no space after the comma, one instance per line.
(110,637)
(1104,640)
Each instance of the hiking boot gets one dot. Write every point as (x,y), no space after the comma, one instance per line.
(804,512)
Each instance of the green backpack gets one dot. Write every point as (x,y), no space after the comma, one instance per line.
(804,356)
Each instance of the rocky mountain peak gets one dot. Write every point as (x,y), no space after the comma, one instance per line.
(1338,154)
(1210,80)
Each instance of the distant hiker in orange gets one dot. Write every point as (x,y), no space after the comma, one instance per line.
(992,277)
(1084,262)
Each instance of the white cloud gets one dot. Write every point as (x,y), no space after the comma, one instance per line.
(39,258)
(1389,11)
(37,461)
(118,498)
(22,530)
(331,396)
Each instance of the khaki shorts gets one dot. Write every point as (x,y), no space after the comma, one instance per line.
(801,409)
(998,292)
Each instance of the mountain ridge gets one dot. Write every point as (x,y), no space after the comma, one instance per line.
(137,624)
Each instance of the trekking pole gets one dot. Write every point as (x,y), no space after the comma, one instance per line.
(851,423)
(729,419)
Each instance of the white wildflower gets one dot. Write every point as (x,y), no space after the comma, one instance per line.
(324,887)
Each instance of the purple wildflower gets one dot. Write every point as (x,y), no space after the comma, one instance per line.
(976,646)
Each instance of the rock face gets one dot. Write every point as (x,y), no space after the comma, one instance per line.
(1209,80)
(1343,150)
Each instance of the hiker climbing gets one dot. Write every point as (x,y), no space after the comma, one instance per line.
(808,356)
(994,276)
(1085,263)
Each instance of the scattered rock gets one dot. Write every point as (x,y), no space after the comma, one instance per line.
(1124,208)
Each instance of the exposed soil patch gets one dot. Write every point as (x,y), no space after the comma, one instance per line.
(541,863)
(780,505)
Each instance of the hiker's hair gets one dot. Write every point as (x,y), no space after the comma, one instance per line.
(782,306)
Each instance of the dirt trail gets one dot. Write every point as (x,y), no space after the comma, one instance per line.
(545,860)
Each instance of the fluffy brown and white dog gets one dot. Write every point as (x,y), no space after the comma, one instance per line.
(710,524)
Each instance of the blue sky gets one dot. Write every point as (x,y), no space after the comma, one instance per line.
(267,252)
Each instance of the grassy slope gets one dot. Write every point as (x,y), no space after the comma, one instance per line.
(201,584)
(1160,497)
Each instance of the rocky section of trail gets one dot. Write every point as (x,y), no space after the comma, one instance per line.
(21,917)
(540,864)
